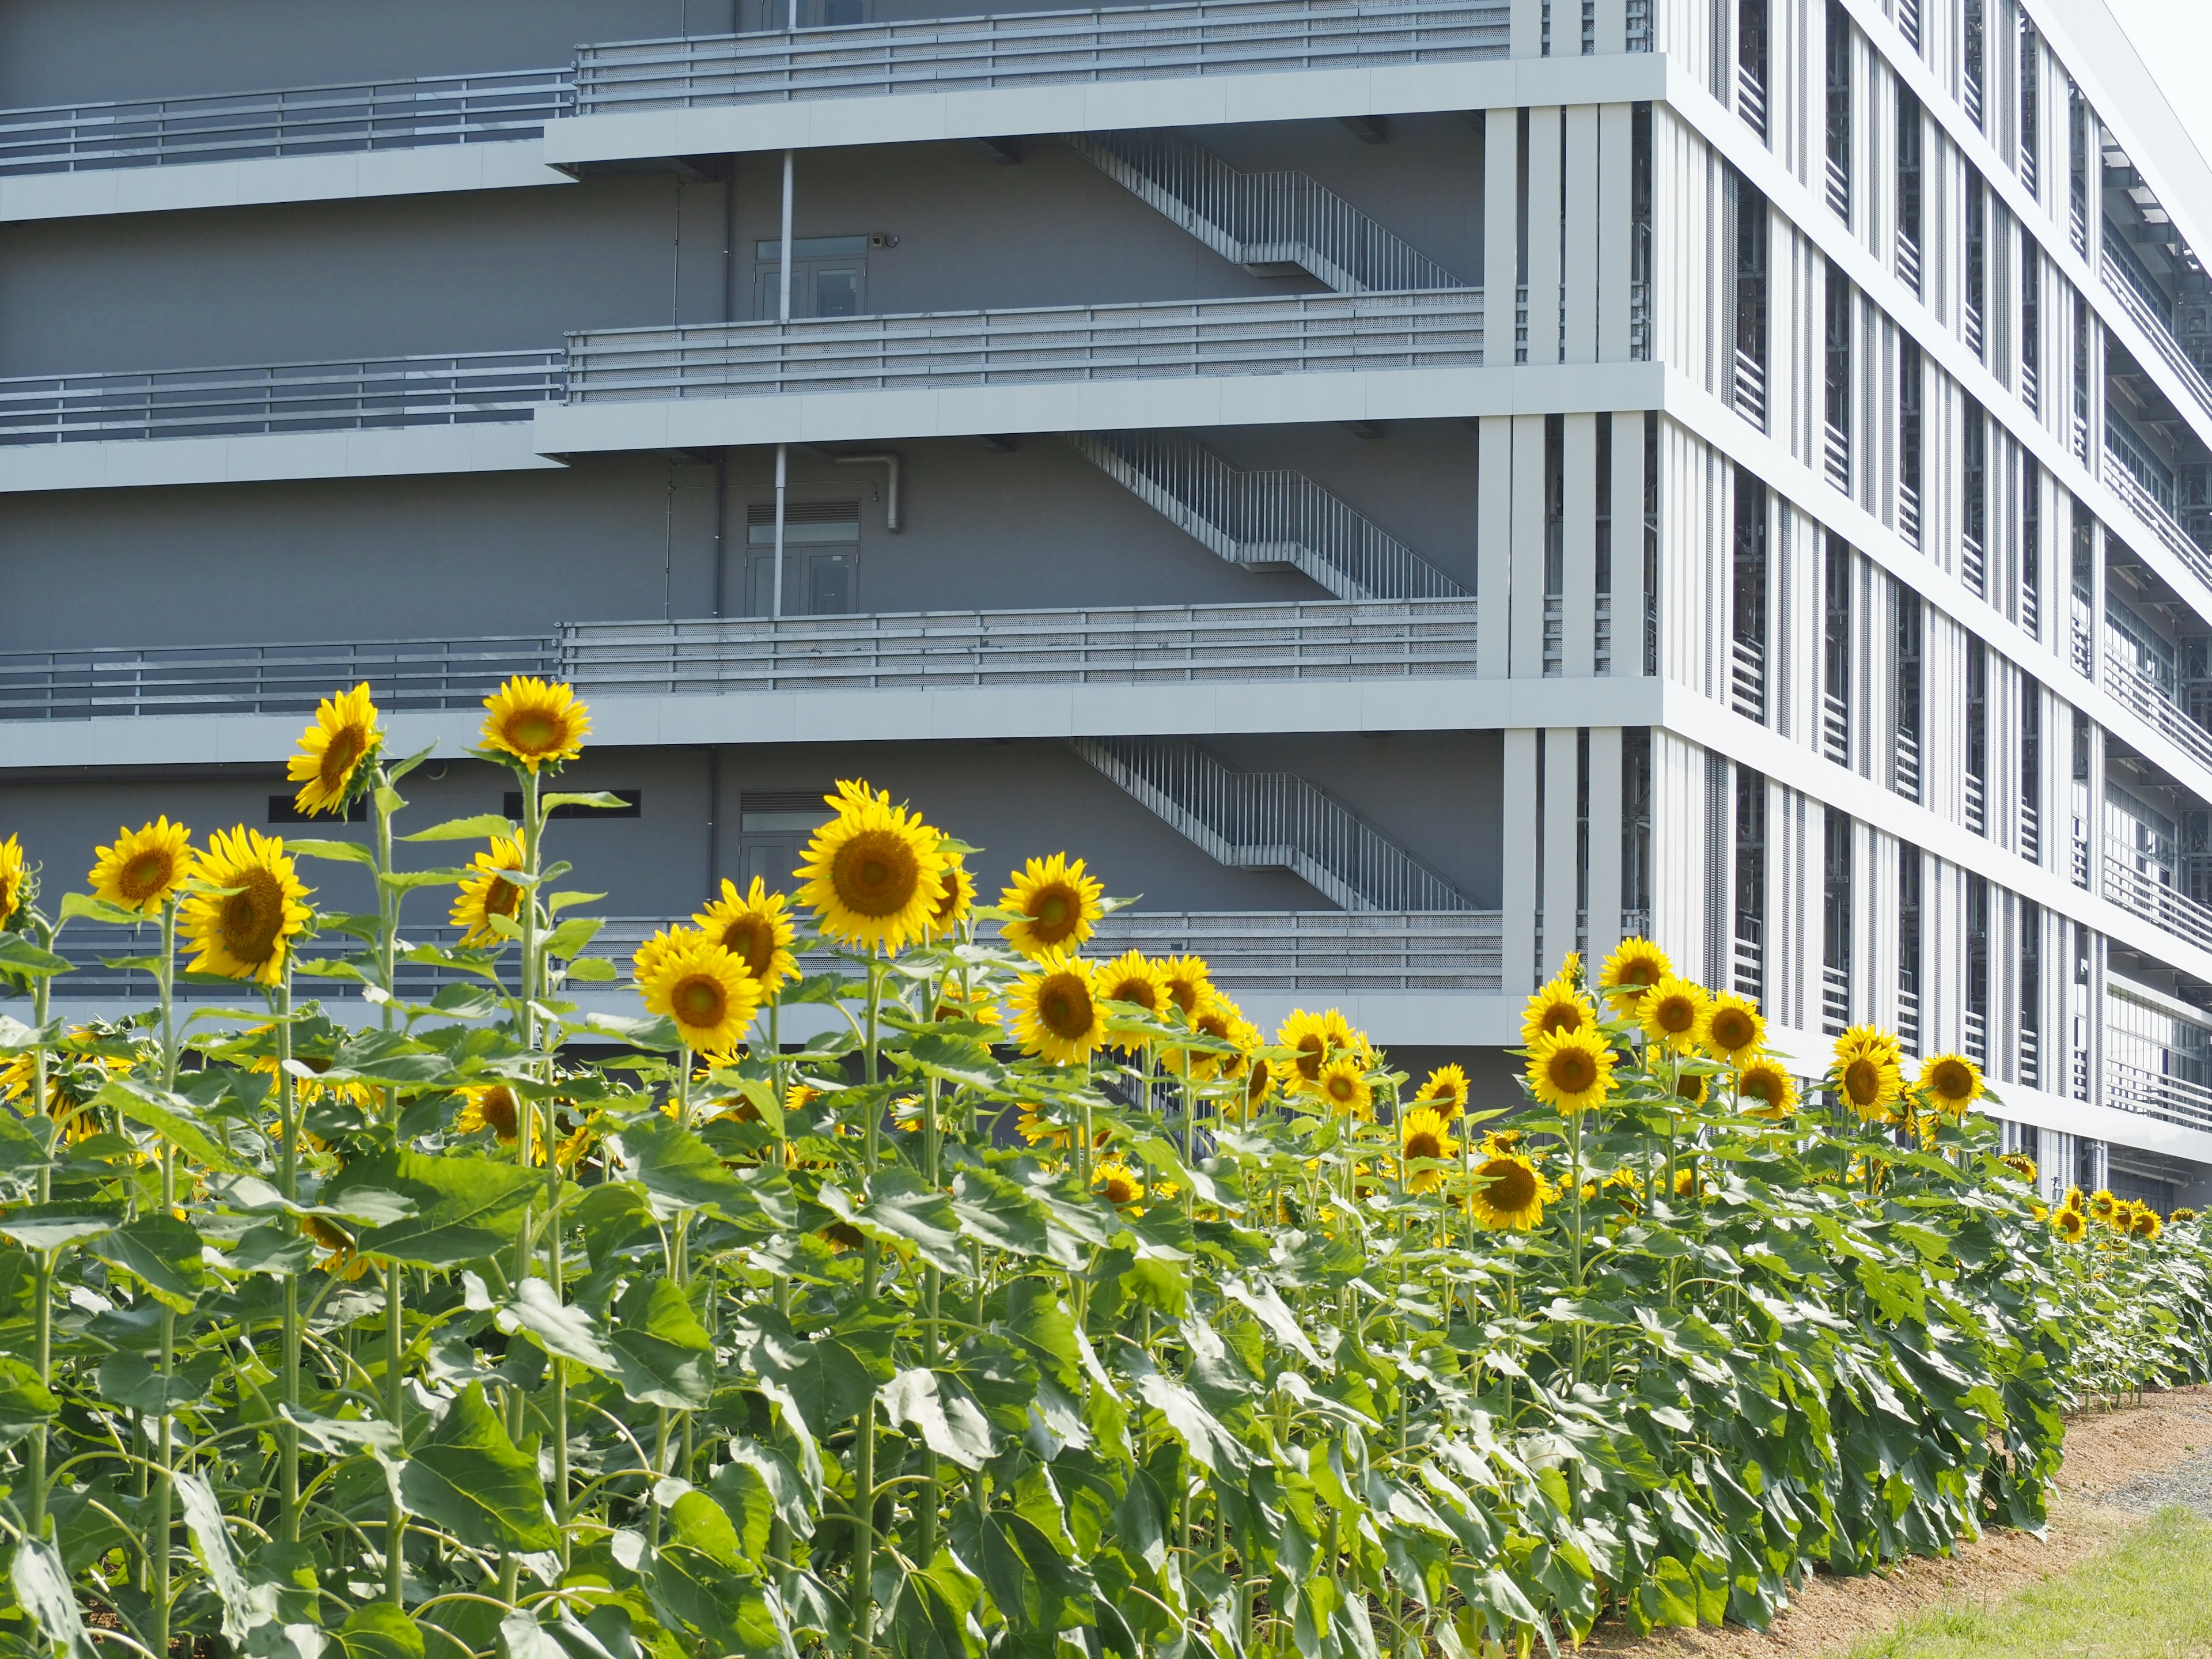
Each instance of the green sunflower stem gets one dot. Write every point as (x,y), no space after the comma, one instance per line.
(164,977)
(288,1111)
(388,899)
(864,1475)
(42,1261)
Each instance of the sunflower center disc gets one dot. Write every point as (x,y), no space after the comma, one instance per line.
(145,874)
(498,1110)
(533,731)
(338,760)
(699,1002)
(1862,1082)
(251,918)
(1573,1071)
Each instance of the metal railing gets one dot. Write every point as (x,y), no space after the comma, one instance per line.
(1972,570)
(2150,702)
(327,397)
(122,681)
(1908,22)
(2161,335)
(498,105)
(1977,1037)
(1264,520)
(2151,1093)
(2082,651)
(2030,389)
(1324,639)
(1835,728)
(2155,901)
(1835,1001)
(1278,334)
(2031,1058)
(962,54)
(2160,523)
(1751,99)
(1747,963)
(1907,770)
(1837,453)
(2031,170)
(1908,1020)
(1908,512)
(1246,949)
(1839,190)
(1270,821)
(2031,832)
(1747,680)
(1751,388)
(1908,261)
(2030,603)
(1972,90)
(1267,221)
(1973,328)
(1977,817)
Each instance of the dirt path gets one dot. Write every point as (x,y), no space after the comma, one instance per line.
(2120,1465)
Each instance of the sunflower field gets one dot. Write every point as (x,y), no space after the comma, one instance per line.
(1016,1303)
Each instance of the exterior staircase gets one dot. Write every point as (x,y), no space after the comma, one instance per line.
(1264,520)
(1270,821)
(1270,223)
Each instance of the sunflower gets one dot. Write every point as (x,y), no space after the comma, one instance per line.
(1055,906)
(73,1080)
(1446,1090)
(1673,1013)
(956,896)
(1113,1180)
(139,871)
(1260,1076)
(1509,1193)
(1424,1135)
(873,874)
(1866,1072)
(1558,1006)
(2185,1213)
(1570,1071)
(2146,1225)
(1692,1087)
(244,908)
(2069,1225)
(1689,1184)
(483,895)
(493,1106)
(11,877)
(975,1005)
(2021,1164)
(333,750)
(1222,1020)
(706,992)
(1343,1084)
(756,929)
(2073,1200)
(1057,1013)
(343,1262)
(1188,983)
(536,722)
(1952,1083)
(1315,1039)
(1632,970)
(1732,1028)
(1134,978)
(2102,1207)
(1767,1090)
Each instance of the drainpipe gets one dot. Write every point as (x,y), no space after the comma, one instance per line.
(782,315)
(890,493)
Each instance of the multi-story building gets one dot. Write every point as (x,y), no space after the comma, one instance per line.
(1406,488)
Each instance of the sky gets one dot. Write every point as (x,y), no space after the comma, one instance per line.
(2174,38)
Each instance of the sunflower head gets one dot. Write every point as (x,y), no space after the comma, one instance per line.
(1733,1028)
(1632,970)
(1446,1090)
(2145,1224)
(1673,1013)
(493,1106)
(1056,903)
(2021,1164)
(1425,1134)
(706,991)
(973,1006)
(141,869)
(1057,1011)
(1558,1006)
(1951,1083)
(2185,1213)
(755,927)
(1343,1087)
(484,894)
(1767,1090)
(1134,978)
(1114,1181)
(1261,1075)
(537,723)
(1571,1072)
(1222,1020)
(11,878)
(2075,1198)
(1313,1039)
(1693,1086)
(2068,1225)
(336,752)
(1509,1193)
(955,897)
(1188,983)
(245,905)
(2102,1205)
(874,873)
(1866,1074)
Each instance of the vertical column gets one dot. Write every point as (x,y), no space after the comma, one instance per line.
(1578,590)
(1612,37)
(1605,834)
(1528,543)
(1493,556)
(1561,747)
(1615,231)
(1518,864)
(1628,594)
(1545,229)
(1501,233)
(1526,37)
(1580,273)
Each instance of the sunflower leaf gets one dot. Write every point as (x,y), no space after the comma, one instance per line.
(484,824)
(598,798)
(339,852)
(592,970)
(75,905)
(170,1115)
(19,956)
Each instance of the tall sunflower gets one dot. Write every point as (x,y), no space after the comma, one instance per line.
(956,896)
(1767,1090)
(1115,1182)
(2102,1207)
(1446,1090)
(11,878)
(755,927)
(1055,903)
(245,906)
(1343,1087)
(1632,970)
(1219,1018)
(1951,1083)
(339,742)
(1189,981)
(1558,1006)
(1732,1029)
(1509,1193)
(494,1106)
(1866,1072)
(483,895)
(1672,1012)
(2068,1225)
(140,869)
(706,992)
(873,874)
(536,722)
(1260,1074)
(975,1005)
(1057,1013)
(1313,1039)
(1571,1072)
(1425,1135)
(1134,978)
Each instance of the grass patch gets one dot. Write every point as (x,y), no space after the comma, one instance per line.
(2147,1596)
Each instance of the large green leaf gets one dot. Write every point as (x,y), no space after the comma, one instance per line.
(471,1478)
(700,1581)
(466,1207)
(203,1522)
(377,1630)
(679,1171)
(949,1423)
(831,1378)
(662,1353)
(26,1403)
(162,1252)
(900,1210)
(559,1327)
(42,1589)
(171,1116)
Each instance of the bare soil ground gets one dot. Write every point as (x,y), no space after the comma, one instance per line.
(2121,1463)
